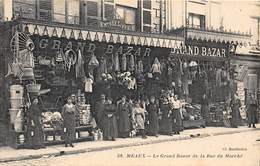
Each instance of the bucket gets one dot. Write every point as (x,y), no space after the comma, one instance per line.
(16,91)
(13,113)
(28,74)
(33,88)
(16,103)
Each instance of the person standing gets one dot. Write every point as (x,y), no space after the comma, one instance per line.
(35,128)
(205,109)
(110,131)
(252,111)
(68,115)
(176,115)
(166,125)
(235,105)
(99,111)
(138,116)
(123,118)
(153,110)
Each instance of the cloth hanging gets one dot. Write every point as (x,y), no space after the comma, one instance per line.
(156,67)
(140,66)
(124,62)
(103,65)
(80,66)
(218,77)
(116,61)
(15,69)
(25,57)
(88,85)
(93,63)
(131,63)
(132,83)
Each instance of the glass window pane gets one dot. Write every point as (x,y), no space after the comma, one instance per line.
(147,4)
(73,7)
(109,11)
(130,16)
(120,13)
(59,6)
(147,17)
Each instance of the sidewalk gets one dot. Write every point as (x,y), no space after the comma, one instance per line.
(10,154)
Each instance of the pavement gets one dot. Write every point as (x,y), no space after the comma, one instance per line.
(8,154)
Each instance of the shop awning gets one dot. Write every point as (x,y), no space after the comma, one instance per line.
(133,38)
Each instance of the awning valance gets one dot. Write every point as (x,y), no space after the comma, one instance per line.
(162,41)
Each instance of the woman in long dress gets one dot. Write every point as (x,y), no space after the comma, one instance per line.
(252,111)
(235,106)
(68,114)
(123,118)
(110,131)
(166,122)
(35,128)
(138,116)
(153,111)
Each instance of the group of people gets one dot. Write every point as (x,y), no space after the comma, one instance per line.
(126,117)
(142,117)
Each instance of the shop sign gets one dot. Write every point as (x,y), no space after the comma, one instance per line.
(194,50)
(56,44)
(116,24)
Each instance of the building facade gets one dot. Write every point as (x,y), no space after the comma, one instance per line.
(189,30)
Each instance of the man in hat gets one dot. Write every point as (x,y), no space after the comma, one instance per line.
(99,110)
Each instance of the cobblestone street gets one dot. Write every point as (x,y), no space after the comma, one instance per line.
(201,151)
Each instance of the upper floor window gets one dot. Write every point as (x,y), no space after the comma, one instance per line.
(24,8)
(147,4)
(44,12)
(127,15)
(65,11)
(196,21)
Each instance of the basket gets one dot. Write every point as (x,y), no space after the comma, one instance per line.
(16,91)
(28,74)
(16,103)
(33,88)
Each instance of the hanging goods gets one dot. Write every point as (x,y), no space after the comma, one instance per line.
(93,63)
(13,113)
(80,73)
(116,61)
(70,59)
(33,89)
(18,122)
(123,65)
(156,67)
(131,63)
(28,74)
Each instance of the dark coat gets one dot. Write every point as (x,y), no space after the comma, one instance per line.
(205,110)
(177,121)
(252,112)
(68,115)
(34,127)
(153,111)
(124,117)
(235,105)
(166,122)
(109,121)
(99,111)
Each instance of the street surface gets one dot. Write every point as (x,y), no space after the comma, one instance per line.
(241,149)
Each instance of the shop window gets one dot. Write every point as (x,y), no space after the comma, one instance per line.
(24,8)
(146,17)
(196,21)
(44,10)
(109,11)
(147,4)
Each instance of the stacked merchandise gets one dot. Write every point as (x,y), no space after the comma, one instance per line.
(84,114)
(192,112)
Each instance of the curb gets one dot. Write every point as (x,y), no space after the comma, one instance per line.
(86,150)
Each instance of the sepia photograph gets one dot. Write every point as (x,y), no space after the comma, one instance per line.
(129,82)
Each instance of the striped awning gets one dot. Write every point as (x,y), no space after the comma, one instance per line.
(162,41)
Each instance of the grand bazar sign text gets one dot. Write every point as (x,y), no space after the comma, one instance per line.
(200,51)
(55,44)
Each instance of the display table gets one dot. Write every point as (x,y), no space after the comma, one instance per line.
(18,139)
(194,123)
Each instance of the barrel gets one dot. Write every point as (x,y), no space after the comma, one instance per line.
(16,91)
(13,113)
